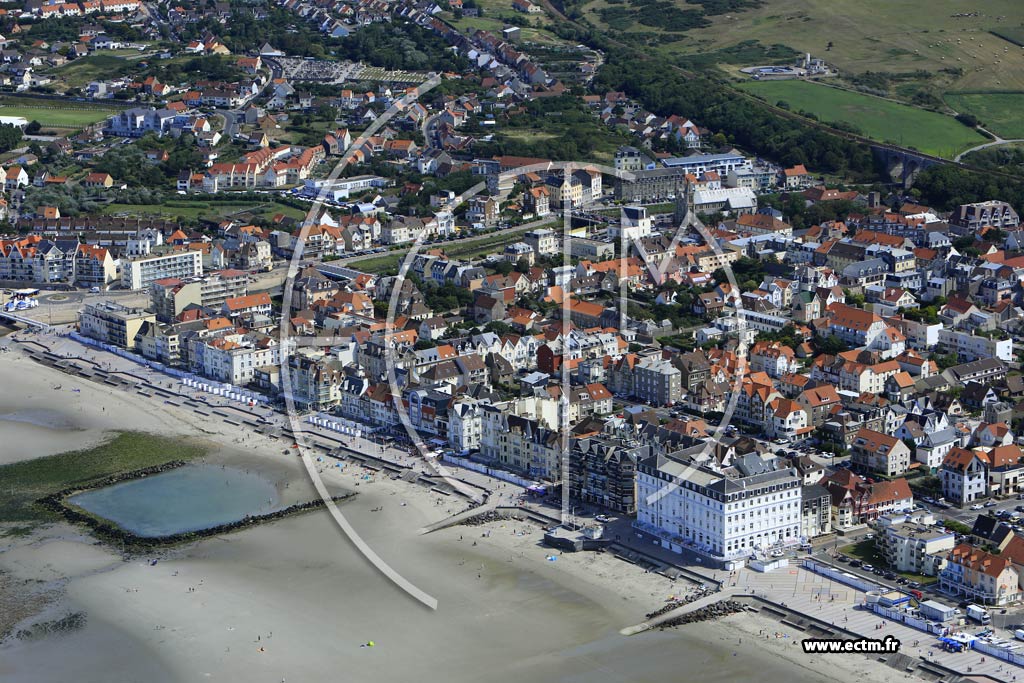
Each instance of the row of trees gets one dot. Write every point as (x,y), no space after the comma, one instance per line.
(945,187)
(745,122)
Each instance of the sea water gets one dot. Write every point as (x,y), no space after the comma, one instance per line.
(188,498)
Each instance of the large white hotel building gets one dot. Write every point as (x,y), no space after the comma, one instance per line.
(726,511)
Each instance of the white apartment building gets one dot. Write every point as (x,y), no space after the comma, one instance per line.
(969,347)
(140,272)
(233,358)
(727,514)
(916,548)
(465,425)
(634,223)
(542,240)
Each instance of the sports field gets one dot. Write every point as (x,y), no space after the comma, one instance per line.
(877,118)
(54,114)
(1000,113)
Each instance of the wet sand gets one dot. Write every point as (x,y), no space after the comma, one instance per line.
(292,600)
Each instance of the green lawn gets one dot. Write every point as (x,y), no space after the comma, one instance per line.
(1000,113)
(25,482)
(875,117)
(53,113)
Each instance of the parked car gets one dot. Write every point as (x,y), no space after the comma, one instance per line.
(856,563)
(977,506)
(867,567)
(890,576)
(878,571)
(991,504)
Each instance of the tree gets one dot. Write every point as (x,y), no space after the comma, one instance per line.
(503,267)
(10,136)
(831,345)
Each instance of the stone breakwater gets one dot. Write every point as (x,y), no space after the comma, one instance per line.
(491,516)
(108,531)
(697,593)
(715,611)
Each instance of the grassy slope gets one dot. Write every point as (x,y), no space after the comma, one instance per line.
(877,118)
(873,35)
(25,482)
(1000,113)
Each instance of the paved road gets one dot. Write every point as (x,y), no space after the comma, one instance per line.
(995,143)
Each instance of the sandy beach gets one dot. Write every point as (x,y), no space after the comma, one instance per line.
(292,600)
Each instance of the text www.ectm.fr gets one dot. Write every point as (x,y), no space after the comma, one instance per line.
(830,645)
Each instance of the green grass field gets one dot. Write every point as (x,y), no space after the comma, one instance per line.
(197,210)
(79,72)
(876,118)
(28,481)
(868,35)
(1000,113)
(53,113)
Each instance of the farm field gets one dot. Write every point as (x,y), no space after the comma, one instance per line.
(876,118)
(870,35)
(55,114)
(1000,113)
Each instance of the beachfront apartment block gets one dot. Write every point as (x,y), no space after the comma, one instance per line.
(112,323)
(980,576)
(915,548)
(727,513)
(141,272)
(233,358)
